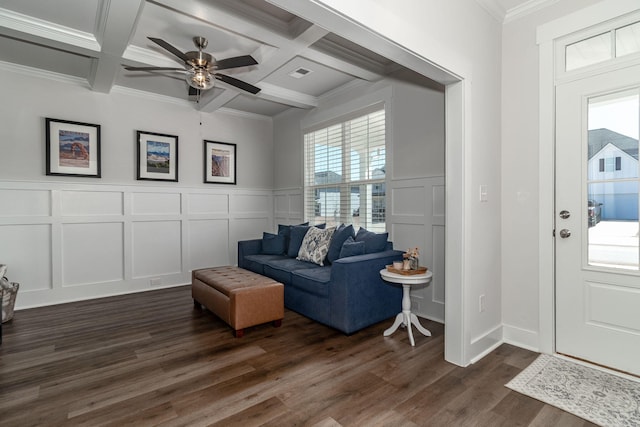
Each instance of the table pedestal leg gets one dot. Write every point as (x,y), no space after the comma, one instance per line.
(407,318)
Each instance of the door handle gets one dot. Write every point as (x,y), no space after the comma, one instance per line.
(564,233)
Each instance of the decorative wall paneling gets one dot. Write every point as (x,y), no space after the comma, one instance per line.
(65,242)
(416,217)
(289,206)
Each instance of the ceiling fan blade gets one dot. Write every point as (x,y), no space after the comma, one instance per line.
(169,47)
(193,91)
(237,61)
(238,83)
(153,69)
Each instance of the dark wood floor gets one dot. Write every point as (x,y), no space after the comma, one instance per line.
(151,359)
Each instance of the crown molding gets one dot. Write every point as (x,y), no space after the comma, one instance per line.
(493,8)
(503,16)
(527,8)
(43,74)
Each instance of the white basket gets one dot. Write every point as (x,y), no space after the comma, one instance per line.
(9,294)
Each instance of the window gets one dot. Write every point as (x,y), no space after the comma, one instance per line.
(344,171)
(615,43)
(610,164)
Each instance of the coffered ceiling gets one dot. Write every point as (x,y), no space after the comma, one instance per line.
(92,40)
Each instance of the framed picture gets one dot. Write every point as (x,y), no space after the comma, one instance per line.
(73,148)
(219,163)
(157,156)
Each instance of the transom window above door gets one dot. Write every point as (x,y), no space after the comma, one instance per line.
(600,46)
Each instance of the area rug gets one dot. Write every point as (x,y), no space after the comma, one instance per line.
(597,396)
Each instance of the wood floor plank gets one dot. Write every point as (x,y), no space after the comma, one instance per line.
(150,359)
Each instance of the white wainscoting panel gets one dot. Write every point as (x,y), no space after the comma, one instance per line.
(289,206)
(208,204)
(88,203)
(155,203)
(251,204)
(26,250)
(24,203)
(415,218)
(156,248)
(101,261)
(68,241)
(408,201)
(208,243)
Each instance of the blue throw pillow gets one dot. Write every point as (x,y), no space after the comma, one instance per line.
(351,248)
(272,244)
(373,242)
(285,230)
(337,240)
(297,235)
(295,241)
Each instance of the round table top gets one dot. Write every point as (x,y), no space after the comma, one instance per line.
(406,279)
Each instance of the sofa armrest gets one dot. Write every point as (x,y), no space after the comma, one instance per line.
(248,247)
(358,295)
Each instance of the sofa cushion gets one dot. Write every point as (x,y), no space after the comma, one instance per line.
(297,236)
(312,280)
(256,263)
(351,248)
(285,230)
(373,242)
(315,245)
(339,237)
(273,244)
(280,269)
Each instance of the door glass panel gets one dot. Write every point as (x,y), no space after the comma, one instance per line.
(612,180)
(628,39)
(589,51)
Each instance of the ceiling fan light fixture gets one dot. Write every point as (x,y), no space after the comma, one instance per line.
(200,79)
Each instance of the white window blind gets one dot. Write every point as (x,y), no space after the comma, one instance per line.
(344,170)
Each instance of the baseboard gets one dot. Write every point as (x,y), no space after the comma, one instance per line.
(68,299)
(520,337)
(485,343)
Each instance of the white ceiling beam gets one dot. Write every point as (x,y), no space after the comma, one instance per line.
(214,14)
(29,28)
(117,22)
(341,65)
(287,96)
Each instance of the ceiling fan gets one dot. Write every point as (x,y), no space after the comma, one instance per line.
(201,69)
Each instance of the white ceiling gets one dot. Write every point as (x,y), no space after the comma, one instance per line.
(92,40)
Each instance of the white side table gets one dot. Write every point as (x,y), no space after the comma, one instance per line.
(406,317)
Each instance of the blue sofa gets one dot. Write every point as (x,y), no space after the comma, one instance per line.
(348,294)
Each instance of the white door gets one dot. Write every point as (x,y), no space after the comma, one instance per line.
(596,223)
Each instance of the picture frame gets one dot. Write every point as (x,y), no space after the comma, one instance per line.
(72,148)
(157,156)
(220,160)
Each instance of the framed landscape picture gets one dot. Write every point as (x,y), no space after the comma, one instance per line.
(219,163)
(157,156)
(73,148)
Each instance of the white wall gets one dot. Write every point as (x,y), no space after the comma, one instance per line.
(415,169)
(520,173)
(70,238)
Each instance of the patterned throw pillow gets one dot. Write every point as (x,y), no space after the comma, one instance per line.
(315,245)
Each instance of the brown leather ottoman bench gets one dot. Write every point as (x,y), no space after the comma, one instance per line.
(240,297)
